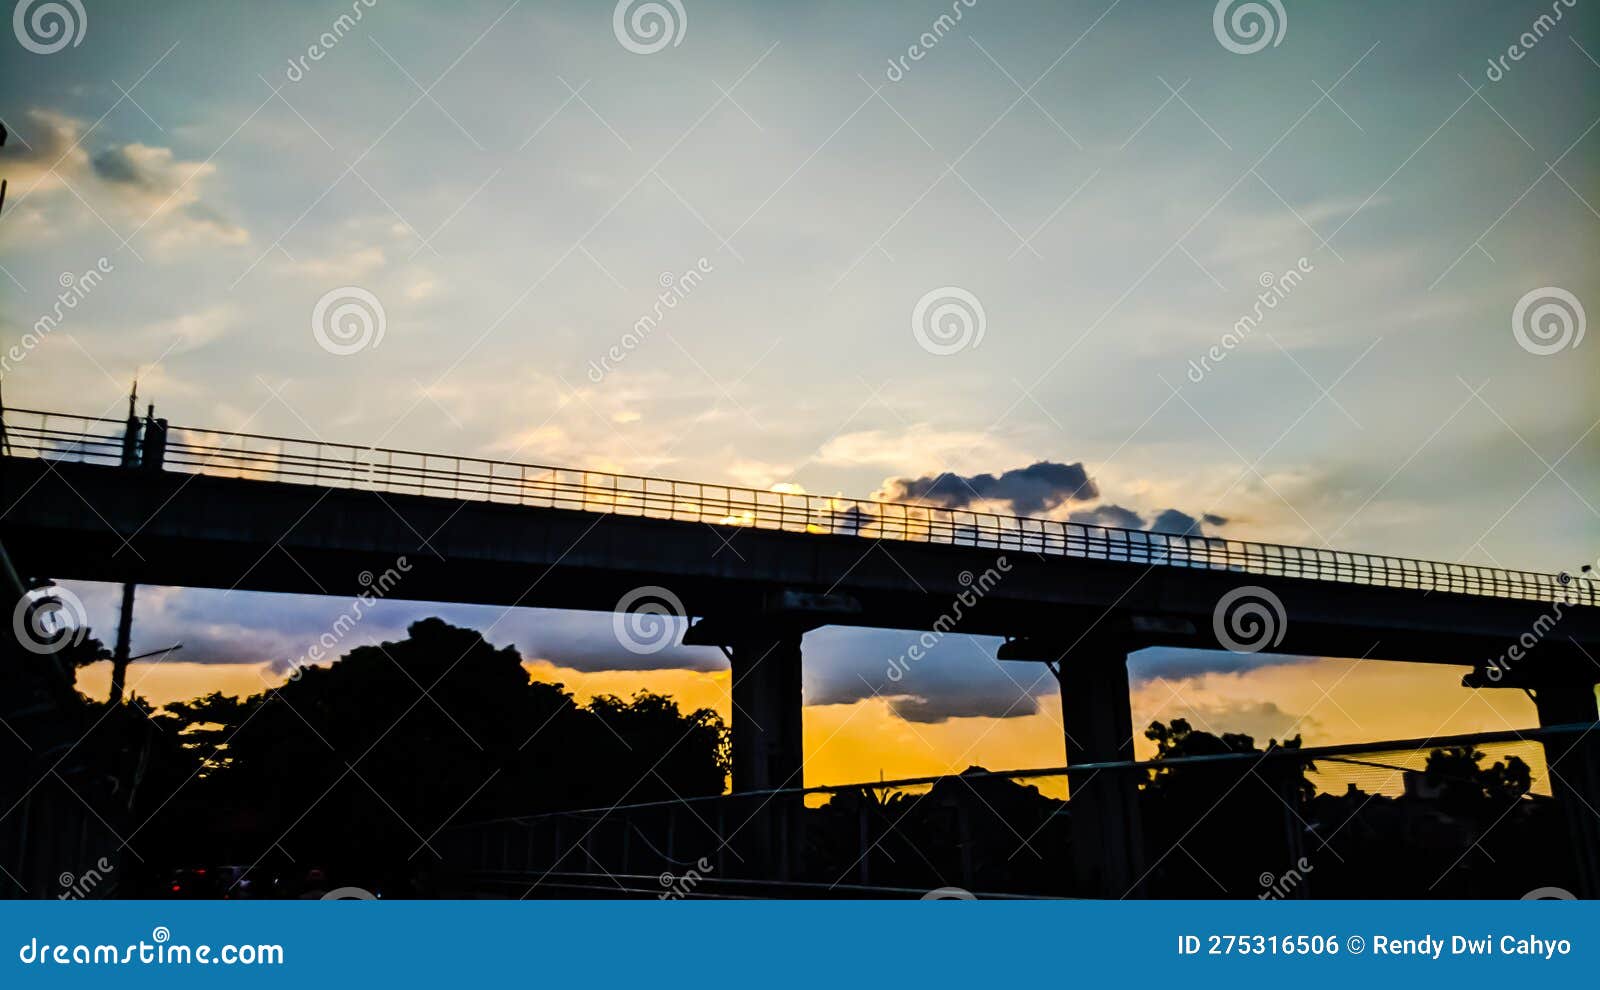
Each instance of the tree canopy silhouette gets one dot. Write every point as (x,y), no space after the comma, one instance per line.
(1467,788)
(364,762)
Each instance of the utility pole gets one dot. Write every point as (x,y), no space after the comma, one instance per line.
(2,181)
(5,439)
(119,657)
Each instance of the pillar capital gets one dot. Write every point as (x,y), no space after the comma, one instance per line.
(784,613)
(731,632)
(1532,672)
(1114,634)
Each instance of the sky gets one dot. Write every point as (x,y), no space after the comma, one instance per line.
(1128,263)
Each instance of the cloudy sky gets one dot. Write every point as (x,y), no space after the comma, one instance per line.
(1013,248)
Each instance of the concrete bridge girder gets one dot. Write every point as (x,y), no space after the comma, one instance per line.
(205,531)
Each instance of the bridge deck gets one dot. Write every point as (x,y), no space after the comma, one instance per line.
(64,437)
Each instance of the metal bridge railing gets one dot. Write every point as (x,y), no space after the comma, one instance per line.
(57,436)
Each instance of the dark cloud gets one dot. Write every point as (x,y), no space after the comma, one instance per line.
(1036,490)
(1175,664)
(1262,721)
(1000,703)
(161,184)
(1172,521)
(282,629)
(588,642)
(1030,491)
(117,165)
(1177,523)
(957,677)
(851,518)
(1108,515)
(51,141)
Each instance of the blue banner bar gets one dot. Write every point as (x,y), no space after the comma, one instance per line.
(801,944)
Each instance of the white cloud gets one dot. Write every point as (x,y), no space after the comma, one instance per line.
(421,289)
(145,188)
(166,191)
(916,449)
(346,266)
(191,331)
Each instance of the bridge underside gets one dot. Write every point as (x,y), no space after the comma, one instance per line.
(98,523)
(762,589)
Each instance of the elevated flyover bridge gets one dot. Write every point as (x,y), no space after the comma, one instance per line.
(141,501)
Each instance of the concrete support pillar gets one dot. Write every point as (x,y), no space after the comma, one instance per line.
(765,831)
(1574,763)
(767,752)
(1107,838)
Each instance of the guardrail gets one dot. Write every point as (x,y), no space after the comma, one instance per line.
(58,436)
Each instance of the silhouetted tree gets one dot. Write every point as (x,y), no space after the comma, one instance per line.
(1236,820)
(356,768)
(1458,829)
(967,830)
(1465,786)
